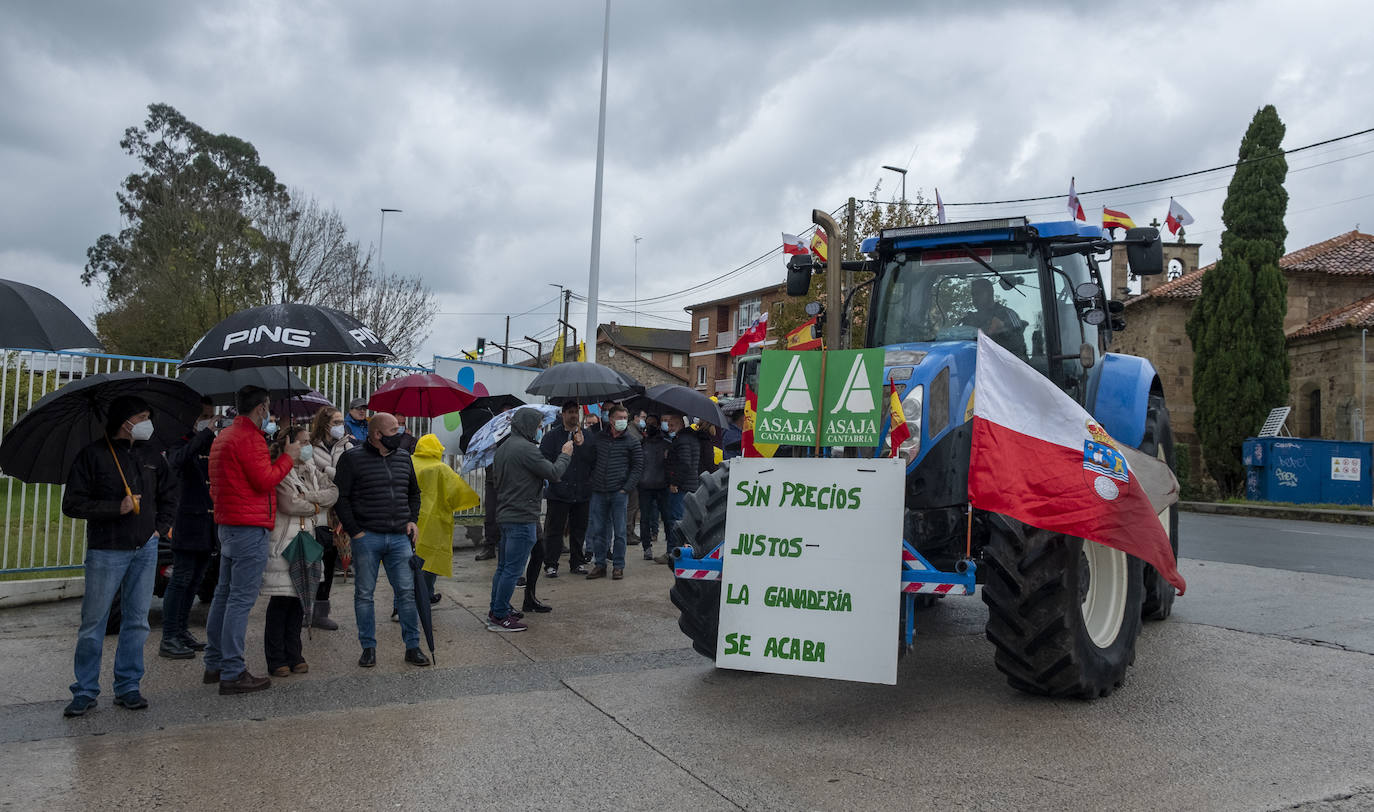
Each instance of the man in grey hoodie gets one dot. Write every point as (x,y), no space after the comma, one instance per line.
(519,470)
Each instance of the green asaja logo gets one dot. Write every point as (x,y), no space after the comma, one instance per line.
(794,393)
(856,396)
(794,410)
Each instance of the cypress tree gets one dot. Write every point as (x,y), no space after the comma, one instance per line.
(1240,364)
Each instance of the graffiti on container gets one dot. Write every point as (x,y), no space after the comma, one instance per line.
(1291,462)
(1286,479)
(1285,446)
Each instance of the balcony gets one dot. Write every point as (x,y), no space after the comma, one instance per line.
(726,340)
(724,385)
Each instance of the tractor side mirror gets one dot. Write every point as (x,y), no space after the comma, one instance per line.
(1144,251)
(799,268)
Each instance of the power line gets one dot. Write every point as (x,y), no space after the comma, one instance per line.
(1163,180)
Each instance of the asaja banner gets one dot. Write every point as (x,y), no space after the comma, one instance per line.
(795,402)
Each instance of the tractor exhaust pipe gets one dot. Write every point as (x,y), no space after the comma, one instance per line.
(834,296)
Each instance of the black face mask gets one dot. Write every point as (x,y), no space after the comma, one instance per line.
(391,442)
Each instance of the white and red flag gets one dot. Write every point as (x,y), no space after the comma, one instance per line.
(1178,217)
(757,332)
(1038,457)
(939,207)
(792,244)
(1075,208)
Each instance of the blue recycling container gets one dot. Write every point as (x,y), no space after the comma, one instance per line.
(1289,469)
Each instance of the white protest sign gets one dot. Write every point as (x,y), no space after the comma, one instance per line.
(812,568)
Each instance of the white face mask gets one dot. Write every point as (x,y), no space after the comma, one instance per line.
(337,432)
(142,431)
(307,451)
(269,426)
(621,424)
(202,425)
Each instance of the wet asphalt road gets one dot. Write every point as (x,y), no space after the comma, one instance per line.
(1333,549)
(1255,695)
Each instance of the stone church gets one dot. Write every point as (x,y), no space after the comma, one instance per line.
(1330,308)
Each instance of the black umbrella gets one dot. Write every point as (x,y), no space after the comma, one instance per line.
(220,384)
(285,335)
(33,319)
(682,400)
(581,381)
(422,602)
(493,404)
(43,444)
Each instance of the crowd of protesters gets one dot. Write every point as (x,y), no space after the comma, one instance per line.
(254,488)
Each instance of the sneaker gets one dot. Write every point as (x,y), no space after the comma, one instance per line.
(433,599)
(551,572)
(597,572)
(132,700)
(617,573)
(580,569)
(300,668)
(649,554)
(243,684)
(282,671)
(486,554)
(78,706)
(395,616)
(416,657)
(511,611)
(505,624)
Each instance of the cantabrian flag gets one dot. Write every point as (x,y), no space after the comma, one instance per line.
(1111,218)
(1178,217)
(819,246)
(792,244)
(1075,208)
(900,432)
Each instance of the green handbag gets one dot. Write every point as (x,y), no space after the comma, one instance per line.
(304,547)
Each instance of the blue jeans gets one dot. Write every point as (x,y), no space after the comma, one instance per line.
(513,550)
(676,507)
(390,550)
(607,524)
(653,504)
(128,574)
(242,558)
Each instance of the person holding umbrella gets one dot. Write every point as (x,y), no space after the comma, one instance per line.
(519,471)
(566,501)
(193,534)
(379,505)
(126,493)
(619,461)
(243,483)
(684,475)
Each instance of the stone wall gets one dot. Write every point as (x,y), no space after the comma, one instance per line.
(631,363)
(1156,330)
(1312,294)
(1329,364)
(1185,252)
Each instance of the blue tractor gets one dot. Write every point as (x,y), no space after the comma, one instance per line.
(1064,613)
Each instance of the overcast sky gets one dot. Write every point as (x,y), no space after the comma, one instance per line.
(727,123)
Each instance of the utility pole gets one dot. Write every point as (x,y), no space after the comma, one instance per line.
(594,273)
(636,312)
(504,347)
(902,172)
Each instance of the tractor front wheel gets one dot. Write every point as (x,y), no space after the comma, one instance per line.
(1063,613)
(703,529)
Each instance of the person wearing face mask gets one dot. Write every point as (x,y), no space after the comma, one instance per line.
(329,438)
(243,484)
(379,506)
(126,493)
(683,473)
(303,501)
(193,534)
(653,485)
(619,461)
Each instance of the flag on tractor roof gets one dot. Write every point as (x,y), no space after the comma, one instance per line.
(1111,218)
(1178,217)
(939,207)
(1075,208)
(1038,457)
(792,244)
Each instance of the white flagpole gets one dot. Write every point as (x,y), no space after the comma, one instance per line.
(594,274)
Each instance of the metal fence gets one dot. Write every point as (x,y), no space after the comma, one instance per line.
(38,538)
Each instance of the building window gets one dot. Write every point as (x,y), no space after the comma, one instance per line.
(648,356)
(701,376)
(748,311)
(703,328)
(1314,413)
(679,360)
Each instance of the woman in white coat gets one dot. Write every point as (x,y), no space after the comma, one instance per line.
(330,439)
(303,502)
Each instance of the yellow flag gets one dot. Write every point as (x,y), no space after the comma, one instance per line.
(556,357)
(581,350)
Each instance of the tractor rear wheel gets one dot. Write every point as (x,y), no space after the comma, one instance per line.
(702,528)
(1063,613)
(1159,441)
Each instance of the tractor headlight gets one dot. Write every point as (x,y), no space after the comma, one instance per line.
(911,408)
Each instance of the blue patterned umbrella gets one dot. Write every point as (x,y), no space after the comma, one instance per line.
(482,449)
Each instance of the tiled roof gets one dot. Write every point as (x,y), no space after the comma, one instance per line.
(648,338)
(1357,315)
(1348,254)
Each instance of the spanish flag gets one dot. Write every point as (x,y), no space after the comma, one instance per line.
(804,337)
(899,432)
(1116,219)
(819,246)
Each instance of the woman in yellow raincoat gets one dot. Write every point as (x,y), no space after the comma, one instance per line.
(442,492)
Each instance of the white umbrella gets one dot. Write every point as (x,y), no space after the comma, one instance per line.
(482,449)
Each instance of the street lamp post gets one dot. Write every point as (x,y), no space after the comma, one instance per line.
(901,172)
(594,273)
(637,239)
(381,237)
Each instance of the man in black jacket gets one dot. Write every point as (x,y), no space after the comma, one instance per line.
(619,460)
(566,501)
(683,470)
(193,534)
(379,504)
(653,485)
(128,497)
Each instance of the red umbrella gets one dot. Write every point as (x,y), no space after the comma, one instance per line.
(421,395)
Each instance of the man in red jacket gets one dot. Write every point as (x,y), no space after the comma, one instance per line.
(243,483)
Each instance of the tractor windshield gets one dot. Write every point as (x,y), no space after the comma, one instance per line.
(944,294)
